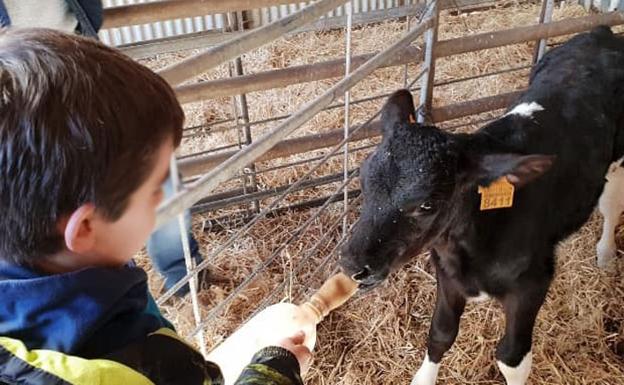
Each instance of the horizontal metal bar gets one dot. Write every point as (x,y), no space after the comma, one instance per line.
(472,107)
(260,146)
(481,76)
(284,77)
(228,222)
(354,102)
(473,122)
(212,57)
(211,205)
(199,40)
(209,151)
(204,163)
(524,34)
(282,117)
(308,160)
(235,192)
(369,17)
(201,164)
(143,13)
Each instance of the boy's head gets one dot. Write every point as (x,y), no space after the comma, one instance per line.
(85,140)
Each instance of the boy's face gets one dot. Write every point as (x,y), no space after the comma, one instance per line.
(116,242)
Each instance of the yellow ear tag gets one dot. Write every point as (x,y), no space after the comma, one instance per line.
(412,119)
(499,194)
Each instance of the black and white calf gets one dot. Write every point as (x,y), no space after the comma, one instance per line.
(555,146)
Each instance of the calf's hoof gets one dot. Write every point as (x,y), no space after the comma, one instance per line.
(426,374)
(606,256)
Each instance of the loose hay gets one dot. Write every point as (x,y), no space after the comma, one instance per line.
(379,337)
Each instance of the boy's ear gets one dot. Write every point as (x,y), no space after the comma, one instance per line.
(519,169)
(78,232)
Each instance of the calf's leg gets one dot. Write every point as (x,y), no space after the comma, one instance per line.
(513,353)
(449,307)
(611,206)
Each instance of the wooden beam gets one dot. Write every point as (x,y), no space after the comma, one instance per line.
(174,9)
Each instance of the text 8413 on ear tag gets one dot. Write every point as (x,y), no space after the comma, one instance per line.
(498,195)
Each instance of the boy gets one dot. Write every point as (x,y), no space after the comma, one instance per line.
(86,136)
(85,17)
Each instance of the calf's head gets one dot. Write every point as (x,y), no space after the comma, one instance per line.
(414,185)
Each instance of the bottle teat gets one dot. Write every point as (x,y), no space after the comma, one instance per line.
(332,294)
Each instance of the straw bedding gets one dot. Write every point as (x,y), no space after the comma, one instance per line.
(379,337)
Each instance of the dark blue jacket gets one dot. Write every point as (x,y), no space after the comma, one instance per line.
(89,14)
(90,313)
(100,326)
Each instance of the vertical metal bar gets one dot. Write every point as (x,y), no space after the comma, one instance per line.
(347,121)
(545,17)
(188,260)
(408,22)
(431,38)
(236,23)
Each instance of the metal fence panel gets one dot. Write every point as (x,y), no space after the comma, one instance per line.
(200,23)
(259,17)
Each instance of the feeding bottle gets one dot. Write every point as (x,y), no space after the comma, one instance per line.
(280,321)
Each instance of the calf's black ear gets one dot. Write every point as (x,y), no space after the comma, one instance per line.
(519,169)
(398,109)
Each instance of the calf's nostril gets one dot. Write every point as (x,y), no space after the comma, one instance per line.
(362,274)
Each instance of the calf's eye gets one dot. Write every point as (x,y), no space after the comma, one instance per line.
(426,206)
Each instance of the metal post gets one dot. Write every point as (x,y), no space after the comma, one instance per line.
(347,120)
(249,180)
(545,17)
(431,38)
(188,260)
(408,25)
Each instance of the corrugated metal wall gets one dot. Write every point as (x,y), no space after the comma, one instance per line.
(138,33)
(608,5)
(135,34)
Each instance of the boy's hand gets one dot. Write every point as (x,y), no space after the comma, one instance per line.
(295,345)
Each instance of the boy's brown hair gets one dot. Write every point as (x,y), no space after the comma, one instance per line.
(79,123)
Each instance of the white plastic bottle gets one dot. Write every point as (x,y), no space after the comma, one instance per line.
(280,321)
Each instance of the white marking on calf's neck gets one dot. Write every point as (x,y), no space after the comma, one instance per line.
(482,297)
(525,109)
(427,374)
(519,374)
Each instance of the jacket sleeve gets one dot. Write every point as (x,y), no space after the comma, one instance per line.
(271,366)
